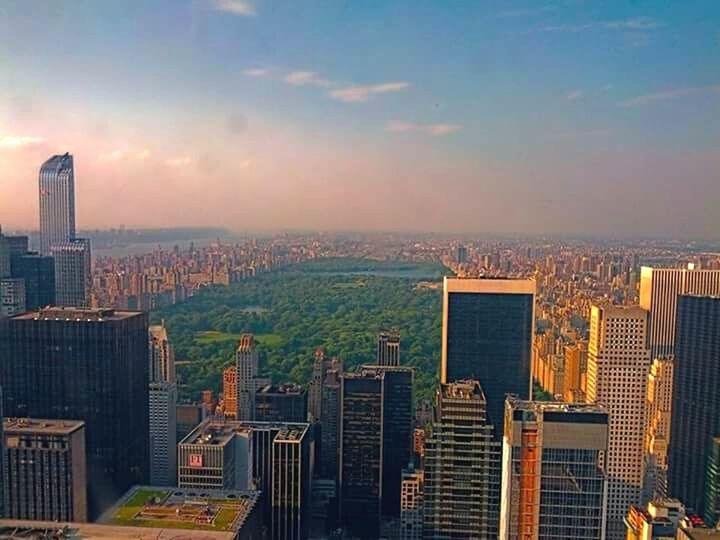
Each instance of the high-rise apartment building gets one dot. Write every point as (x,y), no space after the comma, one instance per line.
(553,480)
(618,364)
(57,202)
(321,365)
(38,273)
(281,403)
(659,290)
(411,504)
(696,399)
(462,460)
(575,372)
(246,364)
(230,394)
(487,336)
(388,348)
(73,273)
(162,407)
(45,469)
(89,365)
(162,355)
(657,428)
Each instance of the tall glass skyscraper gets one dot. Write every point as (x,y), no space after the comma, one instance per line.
(696,399)
(73,274)
(487,336)
(57,202)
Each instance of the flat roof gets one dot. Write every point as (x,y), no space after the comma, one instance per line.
(61,313)
(183,508)
(219,432)
(518,404)
(40,425)
(489,285)
(17,529)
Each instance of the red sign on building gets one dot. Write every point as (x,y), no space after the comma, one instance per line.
(196,460)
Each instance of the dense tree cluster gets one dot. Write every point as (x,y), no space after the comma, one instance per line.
(337,304)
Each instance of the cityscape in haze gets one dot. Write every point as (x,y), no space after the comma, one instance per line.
(359,270)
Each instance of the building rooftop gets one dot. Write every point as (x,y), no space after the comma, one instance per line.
(286,388)
(247,343)
(220,431)
(180,508)
(38,530)
(554,406)
(18,426)
(466,389)
(61,313)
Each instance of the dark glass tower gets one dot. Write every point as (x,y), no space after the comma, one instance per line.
(487,336)
(696,399)
(38,271)
(89,365)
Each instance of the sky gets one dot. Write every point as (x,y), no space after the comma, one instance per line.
(567,116)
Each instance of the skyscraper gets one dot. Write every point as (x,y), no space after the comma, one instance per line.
(57,202)
(657,428)
(162,355)
(73,275)
(281,403)
(38,273)
(462,475)
(554,484)
(291,483)
(360,453)
(321,365)
(618,364)
(330,422)
(696,399)
(45,473)
(246,364)
(90,365)
(659,290)
(711,513)
(487,336)
(230,394)
(388,348)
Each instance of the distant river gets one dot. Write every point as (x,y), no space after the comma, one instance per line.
(148,247)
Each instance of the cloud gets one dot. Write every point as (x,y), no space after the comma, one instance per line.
(429,129)
(114,155)
(635,23)
(358,94)
(142,154)
(665,95)
(574,95)
(181,161)
(255,72)
(307,78)
(15,142)
(234,7)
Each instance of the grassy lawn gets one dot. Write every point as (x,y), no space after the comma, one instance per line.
(225,518)
(360,283)
(128,511)
(212,336)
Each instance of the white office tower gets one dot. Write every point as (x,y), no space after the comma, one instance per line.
(73,277)
(246,364)
(659,289)
(162,408)
(657,429)
(618,364)
(57,202)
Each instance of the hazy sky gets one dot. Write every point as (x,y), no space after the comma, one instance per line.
(488,116)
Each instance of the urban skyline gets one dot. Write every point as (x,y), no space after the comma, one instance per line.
(284,107)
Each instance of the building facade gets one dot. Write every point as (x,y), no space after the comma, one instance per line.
(330,423)
(44,477)
(162,355)
(162,403)
(38,273)
(246,365)
(90,365)
(12,296)
(73,273)
(618,364)
(659,290)
(696,399)
(462,475)
(711,509)
(57,202)
(553,480)
(291,483)
(487,335)
(281,403)
(411,504)
(388,348)
(657,428)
